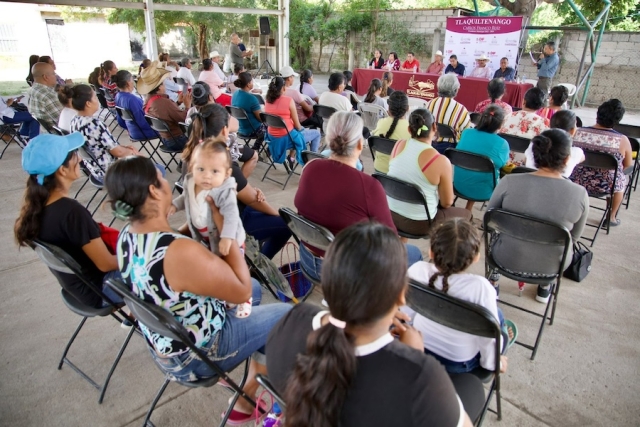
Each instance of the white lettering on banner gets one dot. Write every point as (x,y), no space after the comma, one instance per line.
(483,21)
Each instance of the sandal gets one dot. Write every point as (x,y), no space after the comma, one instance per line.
(512,330)
(237,418)
(615,222)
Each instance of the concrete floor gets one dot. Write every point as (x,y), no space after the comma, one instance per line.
(585,373)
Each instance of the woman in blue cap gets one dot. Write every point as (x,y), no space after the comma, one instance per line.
(50,215)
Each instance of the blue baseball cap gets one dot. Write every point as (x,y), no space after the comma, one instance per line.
(46,153)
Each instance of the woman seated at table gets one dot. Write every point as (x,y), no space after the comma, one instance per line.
(373,95)
(138,129)
(392,63)
(393,127)
(557,97)
(330,366)
(565,120)
(181,276)
(209,76)
(546,195)
(526,123)
(377,61)
(448,111)
(417,162)
(334,194)
(496,89)
(484,141)
(387,81)
(50,215)
(98,141)
(603,138)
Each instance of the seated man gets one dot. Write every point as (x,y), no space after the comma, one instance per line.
(185,73)
(482,71)
(505,71)
(411,64)
(454,66)
(59,80)
(43,99)
(437,66)
(215,58)
(30,127)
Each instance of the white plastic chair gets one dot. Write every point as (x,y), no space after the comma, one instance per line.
(571,88)
(371,113)
(415,103)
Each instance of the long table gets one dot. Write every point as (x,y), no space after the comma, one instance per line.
(424,86)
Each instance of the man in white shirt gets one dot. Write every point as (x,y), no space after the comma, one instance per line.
(482,71)
(185,73)
(30,127)
(215,57)
(305,111)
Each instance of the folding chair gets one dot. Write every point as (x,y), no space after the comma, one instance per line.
(277,122)
(12,130)
(380,144)
(101,94)
(266,384)
(415,103)
(605,163)
(60,131)
(323,111)
(46,126)
(259,98)
(465,317)
(632,172)
(181,82)
(517,144)
(632,131)
(162,322)
(241,114)
(446,131)
(406,192)
(475,118)
(371,113)
(522,169)
(531,232)
(307,156)
(308,233)
(161,126)
(86,156)
(472,162)
(128,117)
(59,262)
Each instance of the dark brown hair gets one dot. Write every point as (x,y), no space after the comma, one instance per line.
(398,103)
(207,122)
(491,119)
(374,86)
(78,94)
(275,90)
(211,146)
(551,149)
(419,118)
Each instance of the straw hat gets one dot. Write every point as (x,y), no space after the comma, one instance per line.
(482,57)
(151,77)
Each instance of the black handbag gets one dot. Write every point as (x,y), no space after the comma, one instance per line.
(580,264)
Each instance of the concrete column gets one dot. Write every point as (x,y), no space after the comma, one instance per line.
(150,25)
(352,40)
(285,34)
(437,34)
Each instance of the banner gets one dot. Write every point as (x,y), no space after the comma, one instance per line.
(468,37)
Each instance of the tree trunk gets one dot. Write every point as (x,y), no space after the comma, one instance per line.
(203,48)
(321,42)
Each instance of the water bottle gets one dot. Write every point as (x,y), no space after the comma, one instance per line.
(272,419)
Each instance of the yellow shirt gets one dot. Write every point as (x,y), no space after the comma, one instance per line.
(401,131)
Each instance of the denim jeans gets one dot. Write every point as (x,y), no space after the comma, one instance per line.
(30,126)
(108,291)
(313,136)
(270,230)
(238,340)
(176,143)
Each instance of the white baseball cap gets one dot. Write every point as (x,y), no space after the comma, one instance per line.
(438,53)
(288,72)
(214,54)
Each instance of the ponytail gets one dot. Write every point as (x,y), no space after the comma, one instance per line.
(392,128)
(445,281)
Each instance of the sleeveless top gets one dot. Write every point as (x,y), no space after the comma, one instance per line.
(141,261)
(280,108)
(406,167)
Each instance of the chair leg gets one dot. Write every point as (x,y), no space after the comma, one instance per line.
(223,422)
(115,363)
(80,189)
(544,319)
(73,337)
(147,419)
(99,204)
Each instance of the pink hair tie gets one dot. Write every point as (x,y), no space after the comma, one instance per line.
(337,323)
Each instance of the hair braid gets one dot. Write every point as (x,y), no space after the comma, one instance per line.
(392,128)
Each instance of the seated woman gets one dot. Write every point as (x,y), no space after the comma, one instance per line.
(330,366)
(567,121)
(496,89)
(526,123)
(393,127)
(332,192)
(348,76)
(373,94)
(334,97)
(603,138)
(377,61)
(392,63)
(67,113)
(157,104)
(259,218)
(282,106)
(102,77)
(557,97)
(482,140)
(387,81)
(245,99)
(98,141)
(138,129)
(417,162)
(50,215)
(543,194)
(306,86)
(189,281)
(448,111)
(209,76)
(237,69)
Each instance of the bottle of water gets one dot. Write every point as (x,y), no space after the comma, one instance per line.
(272,419)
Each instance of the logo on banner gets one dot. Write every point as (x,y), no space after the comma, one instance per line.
(421,89)
(511,42)
(449,52)
(465,40)
(479,52)
(492,54)
(481,39)
(494,40)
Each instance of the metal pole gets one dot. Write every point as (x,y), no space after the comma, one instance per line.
(475,5)
(150,25)
(594,52)
(285,34)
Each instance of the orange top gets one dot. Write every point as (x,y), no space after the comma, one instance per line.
(280,108)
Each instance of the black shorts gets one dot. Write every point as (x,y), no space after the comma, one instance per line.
(247,154)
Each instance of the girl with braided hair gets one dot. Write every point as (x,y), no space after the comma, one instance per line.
(455,246)
(393,127)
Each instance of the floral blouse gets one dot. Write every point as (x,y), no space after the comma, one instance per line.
(395,65)
(525,124)
(484,104)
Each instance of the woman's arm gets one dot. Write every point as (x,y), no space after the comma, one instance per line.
(578,227)
(625,149)
(98,253)
(445,186)
(123,151)
(294,115)
(498,194)
(255,198)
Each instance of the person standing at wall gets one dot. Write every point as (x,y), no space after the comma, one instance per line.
(547,66)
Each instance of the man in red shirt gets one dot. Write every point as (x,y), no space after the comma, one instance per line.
(411,64)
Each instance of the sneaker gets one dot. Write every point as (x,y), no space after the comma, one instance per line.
(126,324)
(544,292)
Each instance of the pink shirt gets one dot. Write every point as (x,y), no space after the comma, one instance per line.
(297,99)
(435,68)
(213,80)
(280,108)
(484,104)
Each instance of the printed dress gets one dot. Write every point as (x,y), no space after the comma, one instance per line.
(98,141)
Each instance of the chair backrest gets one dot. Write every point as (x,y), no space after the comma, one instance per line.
(125,114)
(517,144)
(415,103)
(522,169)
(475,118)
(101,98)
(266,384)
(157,124)
(446,131)
(371,113)
(635,145)
(260,98)
(570,87)
(46,126)
(380,144)
(310,155)
(599,160)
(628,130)
(107,95)
(470,161)
(184,128)
(273,121)
(306,231)
(59,131)
(324,111)
(402,191)
(239,114)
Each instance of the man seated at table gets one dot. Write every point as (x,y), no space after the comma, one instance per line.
(454,66)
(437,66)
(482,71)
(505,71)
(411,64)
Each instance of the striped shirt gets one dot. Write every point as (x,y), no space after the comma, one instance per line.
(448,111)
(44,104)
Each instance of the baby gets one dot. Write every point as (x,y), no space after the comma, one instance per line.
(211,176)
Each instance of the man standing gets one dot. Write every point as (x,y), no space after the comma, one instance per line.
(411,64)
(43,99)
(547,66)
(505,72)
(482,71)
(185,73)
(237,56)
(437,66)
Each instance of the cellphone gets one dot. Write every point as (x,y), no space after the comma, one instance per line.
(18,98)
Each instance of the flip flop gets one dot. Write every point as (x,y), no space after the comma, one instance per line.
(237,418)
(615,223)
(514,330)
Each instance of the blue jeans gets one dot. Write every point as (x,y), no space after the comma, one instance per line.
(313,265)
(176,143)
(238,340)
(108,291)
(313,136)
(30,126)
(270,230)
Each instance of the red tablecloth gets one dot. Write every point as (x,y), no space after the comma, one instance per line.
(422,85)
